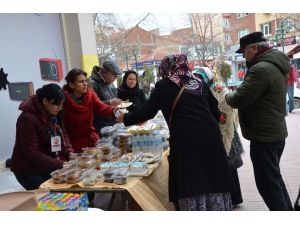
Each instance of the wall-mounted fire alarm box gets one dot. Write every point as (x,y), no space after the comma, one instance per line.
(51,69)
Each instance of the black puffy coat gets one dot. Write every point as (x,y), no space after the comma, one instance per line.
(137,97)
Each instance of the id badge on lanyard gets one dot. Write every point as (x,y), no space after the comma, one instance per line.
(55,143)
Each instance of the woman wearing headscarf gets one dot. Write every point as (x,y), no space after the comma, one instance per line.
(42,144)
(199,174)
(129,90)
(230,136)
(79,108)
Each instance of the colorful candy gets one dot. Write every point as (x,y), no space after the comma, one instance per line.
(56,201)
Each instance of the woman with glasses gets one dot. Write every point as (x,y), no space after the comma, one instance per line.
(79,108)
(41,144)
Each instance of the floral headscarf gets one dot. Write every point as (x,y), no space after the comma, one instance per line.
(175,67)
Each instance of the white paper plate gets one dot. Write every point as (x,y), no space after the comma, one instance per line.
(124,105)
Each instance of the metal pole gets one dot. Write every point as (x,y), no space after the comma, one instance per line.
(135,53)
(282,36)
(126,60)
(136,66)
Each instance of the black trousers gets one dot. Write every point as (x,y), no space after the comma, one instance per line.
(265,158)
(31,182)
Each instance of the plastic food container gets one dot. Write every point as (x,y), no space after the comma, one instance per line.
(107,158)
(107,131)
(120,179)
(85,164)
(91,150)
(108,173)
(108,180)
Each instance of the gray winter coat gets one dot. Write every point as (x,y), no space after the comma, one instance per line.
(105,92)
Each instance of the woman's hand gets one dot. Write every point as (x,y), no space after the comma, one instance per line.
(120,116)
(115,102)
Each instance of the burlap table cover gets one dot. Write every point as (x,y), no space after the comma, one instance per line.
(158,182)
(151,193)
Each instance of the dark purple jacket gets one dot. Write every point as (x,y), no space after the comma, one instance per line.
(32,152)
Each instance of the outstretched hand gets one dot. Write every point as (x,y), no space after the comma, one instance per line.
(115,102)
(120,116)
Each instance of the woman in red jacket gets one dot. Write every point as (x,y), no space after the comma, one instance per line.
(79,108)
(41,141)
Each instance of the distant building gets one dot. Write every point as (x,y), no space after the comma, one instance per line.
(139,47)
(237,25)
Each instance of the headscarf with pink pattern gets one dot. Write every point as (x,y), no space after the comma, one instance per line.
(175,67)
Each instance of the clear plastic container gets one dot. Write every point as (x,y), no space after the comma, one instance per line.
(107,157)
(85,164)
(84,157)
(108,173)
(107,131)
(120,179)
(59,174)
(89,177)
(108,180)
(91,150)
(73,176)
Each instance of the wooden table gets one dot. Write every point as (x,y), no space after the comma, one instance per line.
(151,192)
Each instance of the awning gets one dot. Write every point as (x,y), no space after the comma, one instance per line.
(288,48)
(294,51)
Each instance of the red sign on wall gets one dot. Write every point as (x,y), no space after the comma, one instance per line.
(51,69)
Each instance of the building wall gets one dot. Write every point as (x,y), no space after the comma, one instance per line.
(89,56)
(25,38)
(145,42)
(72,39)
(135,38)
(80,40)
(144,39)
(261,18)
(236,24)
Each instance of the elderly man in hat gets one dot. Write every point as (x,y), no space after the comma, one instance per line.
(101,81)
(261,101)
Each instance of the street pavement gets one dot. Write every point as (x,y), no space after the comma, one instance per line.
(290,169)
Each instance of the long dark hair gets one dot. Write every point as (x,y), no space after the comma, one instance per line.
(52,92)
(124,86)
(71,77)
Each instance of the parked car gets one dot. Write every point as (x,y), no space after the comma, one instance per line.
(296,97)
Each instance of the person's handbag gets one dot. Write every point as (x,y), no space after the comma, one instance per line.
(235,158)
(173,107)
(174,104)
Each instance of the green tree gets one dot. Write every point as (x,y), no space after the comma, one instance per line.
(148,78)
(225,72)
(119,80)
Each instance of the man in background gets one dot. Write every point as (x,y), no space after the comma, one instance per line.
(293,78)
(101,81)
